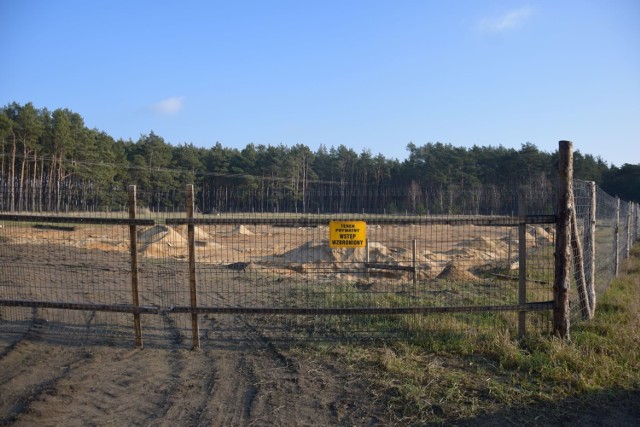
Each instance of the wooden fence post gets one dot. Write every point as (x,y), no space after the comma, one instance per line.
(562,253)
(133,249)
(415,263)
(629,242)
(367,269)
(191,243)
(590,251)
(616,240)
(522,262)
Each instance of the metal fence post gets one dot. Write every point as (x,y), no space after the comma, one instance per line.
(133,238)
(522,262)
(562,253)
(191,243)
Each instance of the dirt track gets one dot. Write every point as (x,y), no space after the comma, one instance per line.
(251,383)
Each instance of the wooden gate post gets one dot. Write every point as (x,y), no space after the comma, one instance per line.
(133,249)
(191,243)
(562,253)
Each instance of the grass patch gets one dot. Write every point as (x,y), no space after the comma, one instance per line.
(491,376)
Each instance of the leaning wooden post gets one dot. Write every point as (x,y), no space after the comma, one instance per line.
(562,253)
(522,263)
(590,251)
(616,240)
(191,243)
(133,249)
(637,221)
(633,222)
(629,242)
(578,267)
(637,226)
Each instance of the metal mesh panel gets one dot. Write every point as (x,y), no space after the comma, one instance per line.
(614,234)
(61,268)
(271,274)
(605,236)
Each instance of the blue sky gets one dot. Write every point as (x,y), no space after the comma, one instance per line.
(370,75)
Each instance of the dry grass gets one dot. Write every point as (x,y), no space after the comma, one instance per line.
(493,378)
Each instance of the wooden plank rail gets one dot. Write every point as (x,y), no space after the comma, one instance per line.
(75,220)
(117,308)
(532,306)
(314,221)
(517,278)
(382,266)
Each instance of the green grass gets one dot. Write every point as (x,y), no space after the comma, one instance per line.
(447,377)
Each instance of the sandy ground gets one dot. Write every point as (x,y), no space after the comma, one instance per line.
(90,378)
(250,383)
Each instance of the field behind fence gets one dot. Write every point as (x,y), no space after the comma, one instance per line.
(182,273)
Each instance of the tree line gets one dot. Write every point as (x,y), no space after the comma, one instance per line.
(51,161)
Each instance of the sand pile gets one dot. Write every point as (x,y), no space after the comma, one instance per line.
(530,239)
(457,271)
(199,233)
(201,237)
(161,241)
(318,251)
(307,258)
(479,251)
(483,245)
(541,235)
(241,230)
(432,257)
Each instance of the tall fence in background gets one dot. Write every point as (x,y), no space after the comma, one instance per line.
(186,273)
(607,227)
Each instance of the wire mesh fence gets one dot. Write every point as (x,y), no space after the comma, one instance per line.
(255,258)
(89,273)
(606,227)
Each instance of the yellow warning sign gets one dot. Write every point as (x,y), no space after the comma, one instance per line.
(347,234)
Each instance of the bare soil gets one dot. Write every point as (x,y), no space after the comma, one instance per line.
(253,383)
(49,379)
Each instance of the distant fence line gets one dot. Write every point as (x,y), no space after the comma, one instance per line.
(510,267)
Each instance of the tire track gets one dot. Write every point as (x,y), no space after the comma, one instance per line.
(28,384)
(8,355)
(259,371)
(176,369)
(20,337)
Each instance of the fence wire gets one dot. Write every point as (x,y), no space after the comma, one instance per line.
(273,275)
(616,229)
